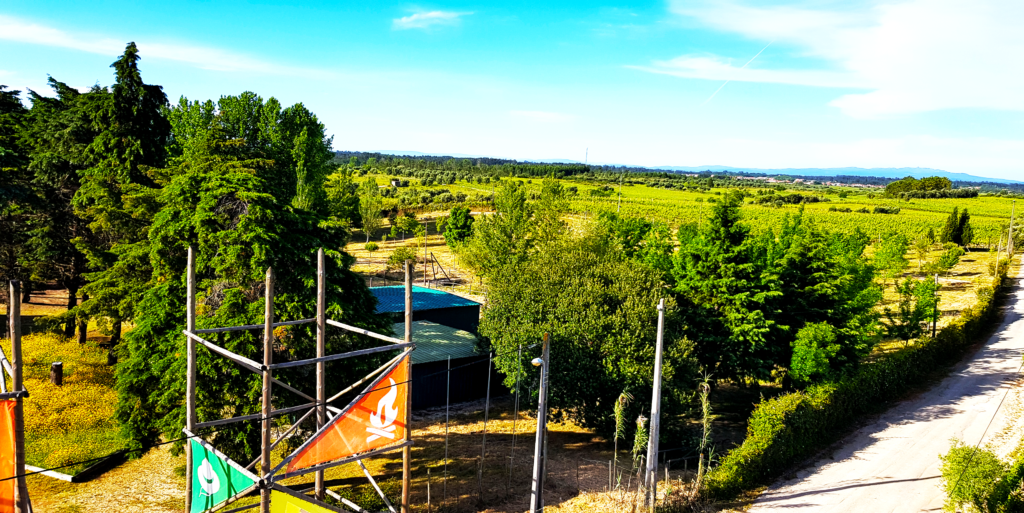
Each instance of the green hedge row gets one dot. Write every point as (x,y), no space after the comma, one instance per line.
(789,428)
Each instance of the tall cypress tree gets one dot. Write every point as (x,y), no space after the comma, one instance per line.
(15,193)
(117,191)
(964,230)
(949,230)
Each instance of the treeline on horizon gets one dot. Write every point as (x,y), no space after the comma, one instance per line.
(522,169)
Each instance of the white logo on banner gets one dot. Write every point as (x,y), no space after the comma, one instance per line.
(208,480)
(384,419)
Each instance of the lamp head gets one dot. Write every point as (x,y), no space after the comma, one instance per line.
(537,362)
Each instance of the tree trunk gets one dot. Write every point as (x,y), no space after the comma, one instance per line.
(26,291)
(69,327)
(83,324)
(115,337)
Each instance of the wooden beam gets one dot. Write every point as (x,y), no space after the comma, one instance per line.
(254,416)
(237,358)
(361,331)
(253,326)
(350,354)
(367,377)
(350,459)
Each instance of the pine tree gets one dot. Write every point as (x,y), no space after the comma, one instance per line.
(117,189)
(949,230)
(964,229)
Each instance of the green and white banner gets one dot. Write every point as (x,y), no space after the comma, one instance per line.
(215,478)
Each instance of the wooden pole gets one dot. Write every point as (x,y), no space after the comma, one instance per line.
(935,309)
(537,491)
(407,451)
(652,444)
(268,358)
(190,372)
(14,319)
(321,334)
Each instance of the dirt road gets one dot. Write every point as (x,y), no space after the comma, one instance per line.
(892,465)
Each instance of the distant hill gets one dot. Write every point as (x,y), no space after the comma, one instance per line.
(879,172)
(891,173)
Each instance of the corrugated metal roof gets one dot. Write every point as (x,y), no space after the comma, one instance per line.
(392,299)
(436,342)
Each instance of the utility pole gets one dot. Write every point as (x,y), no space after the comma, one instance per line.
(651,478)
(190,379)
(537,490)
(935,311)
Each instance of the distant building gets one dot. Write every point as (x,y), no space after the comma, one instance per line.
(395,182)
(429,305)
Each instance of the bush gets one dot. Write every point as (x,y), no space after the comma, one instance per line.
(969,476)
(788,428)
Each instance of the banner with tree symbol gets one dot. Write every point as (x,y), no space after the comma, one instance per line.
(215,478)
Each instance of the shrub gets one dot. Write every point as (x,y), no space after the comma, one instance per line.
(969,476)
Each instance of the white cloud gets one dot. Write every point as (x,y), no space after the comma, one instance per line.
(427,19)
(21,31)
(542,116)
(914,55)
(716,68)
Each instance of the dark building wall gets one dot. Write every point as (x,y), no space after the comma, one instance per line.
(468,382)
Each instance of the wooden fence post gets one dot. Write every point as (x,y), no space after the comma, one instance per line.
(321,333)
(651,478)
(268,359)
(190,376)
(14,317)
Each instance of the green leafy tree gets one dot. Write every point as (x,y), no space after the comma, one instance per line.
(342,197)
(552,204)
(922,246)
(813,349)
(458,226)
(890,258)
(502,239)
(946,260)
(600,310)
(917,303)
(221,206)
(970,476)
(370,203)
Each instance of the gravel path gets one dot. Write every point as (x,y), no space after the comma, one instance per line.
(892,465)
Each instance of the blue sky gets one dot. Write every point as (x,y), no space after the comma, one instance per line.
(910,83)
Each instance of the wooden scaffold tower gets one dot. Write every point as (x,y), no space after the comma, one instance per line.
(375,422)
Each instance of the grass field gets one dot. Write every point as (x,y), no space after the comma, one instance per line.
(69,423)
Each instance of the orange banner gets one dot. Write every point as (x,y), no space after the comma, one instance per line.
(7,456)
(375,420)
